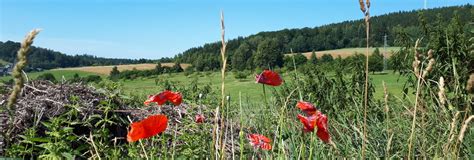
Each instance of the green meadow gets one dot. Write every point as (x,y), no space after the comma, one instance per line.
(249,89)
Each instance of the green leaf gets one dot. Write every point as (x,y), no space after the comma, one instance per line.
(40,139)
(67,155)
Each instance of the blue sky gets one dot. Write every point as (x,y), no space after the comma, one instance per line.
(160,28)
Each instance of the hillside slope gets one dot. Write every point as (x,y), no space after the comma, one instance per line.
(42,58)
(347,34)
(346,52)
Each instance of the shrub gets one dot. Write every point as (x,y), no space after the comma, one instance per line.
(93,78)
(47,77)
(240,75)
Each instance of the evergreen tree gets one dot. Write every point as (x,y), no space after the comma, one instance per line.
(326,58)
(240,57)
(177,67)
(114,74)
(268,54)
(313,59)
(158,68)
(376,61)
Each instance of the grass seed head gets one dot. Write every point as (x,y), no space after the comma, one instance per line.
(470,84)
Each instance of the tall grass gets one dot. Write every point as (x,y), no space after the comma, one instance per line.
(365,8)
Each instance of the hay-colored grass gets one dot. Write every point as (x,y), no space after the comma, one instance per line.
(346,52)
(105,70)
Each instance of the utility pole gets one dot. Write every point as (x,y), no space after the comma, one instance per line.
(385,52)
(425,5)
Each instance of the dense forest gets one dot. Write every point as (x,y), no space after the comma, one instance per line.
(41,58)
(266,49)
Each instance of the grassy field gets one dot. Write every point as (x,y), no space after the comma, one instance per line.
(346,52)
(105,70)
(249,89)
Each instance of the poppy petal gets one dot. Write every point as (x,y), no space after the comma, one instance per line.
(269,77)
(199,118)
(148,127)
(306,107)
(322,132)
(259,141)
(175,98)
(308,122)
(161,98)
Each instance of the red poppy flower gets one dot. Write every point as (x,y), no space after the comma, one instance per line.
(306,107)
(269,77)
(148,127)
(199,118)
(322,132)
(318,120)
(160,99)
(308,122)
(259,141)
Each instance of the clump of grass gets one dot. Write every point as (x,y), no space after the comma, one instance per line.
(421,75)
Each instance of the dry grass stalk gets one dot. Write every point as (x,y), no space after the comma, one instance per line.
(385,98)
(216,138)
(470,84)
(91,138)
(441,92)
(451,132)
(365,10)
(420,74)
(416,64)
(387,119)
(17,70)
(431,63)
(464,127)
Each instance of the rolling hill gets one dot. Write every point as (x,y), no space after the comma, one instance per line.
(346,52)
(347,34)
(42,58)
(105,70)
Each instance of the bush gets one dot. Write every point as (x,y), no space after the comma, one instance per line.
(47,77)
(93,78)
(240,75)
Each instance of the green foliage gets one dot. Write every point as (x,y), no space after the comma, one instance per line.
(92,78)
(397,26)
(268,54)
(159,69)
(299,59)
(242,57)
(313,59)
(114,74)
(240,75)
(376,61)
(326,58)
(47,77)
(176,68)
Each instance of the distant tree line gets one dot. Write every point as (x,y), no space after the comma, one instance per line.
(41,58)
(115,74)
(267,49)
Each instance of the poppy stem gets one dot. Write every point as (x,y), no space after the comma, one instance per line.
(265,95)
